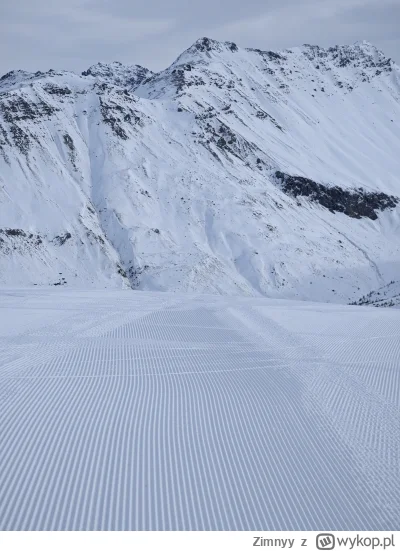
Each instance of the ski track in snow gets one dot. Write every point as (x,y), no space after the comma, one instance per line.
(154,411)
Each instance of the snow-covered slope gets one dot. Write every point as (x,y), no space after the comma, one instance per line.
(386,296)
(233,171)
(168,411)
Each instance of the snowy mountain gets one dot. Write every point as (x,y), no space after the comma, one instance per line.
(233,171)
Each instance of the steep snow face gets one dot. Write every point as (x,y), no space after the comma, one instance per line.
(174,180)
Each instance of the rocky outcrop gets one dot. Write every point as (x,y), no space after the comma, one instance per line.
(117,74)
(384,297)
(356,203)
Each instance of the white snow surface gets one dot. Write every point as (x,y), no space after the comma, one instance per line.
(122,178)
(123,410)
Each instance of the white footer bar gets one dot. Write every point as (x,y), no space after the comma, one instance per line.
(197,541)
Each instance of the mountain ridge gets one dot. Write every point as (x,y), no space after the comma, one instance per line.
(105,70)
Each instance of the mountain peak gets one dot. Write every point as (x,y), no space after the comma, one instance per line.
(206,44)
(118,74)
(360,55)
(365,43)
(19,78)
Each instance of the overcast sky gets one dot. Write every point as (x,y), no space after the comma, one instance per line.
(74,34)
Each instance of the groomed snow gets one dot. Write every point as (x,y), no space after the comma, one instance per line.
(127,410)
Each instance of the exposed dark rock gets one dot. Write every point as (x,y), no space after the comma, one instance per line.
(14,232)
(263,115)
(62,281)
(183,81)
(57,90)
(108,113)
(72,151)
(221,142)
(20,138)
(356,203)
(204,44)
(15,239)
(386,297)
(8,75)
(15,108)
(207,45)
(121,271)
(98,238)
(69,142)
(119,74)
(133,274)
(268,55)
(3,142)
(215,131)
(4,138)
(114,114)
(61,239)
(359,56)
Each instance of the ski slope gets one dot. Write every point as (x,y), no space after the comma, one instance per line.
(127,410)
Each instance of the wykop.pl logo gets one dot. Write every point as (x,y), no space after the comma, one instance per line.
(325,542)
